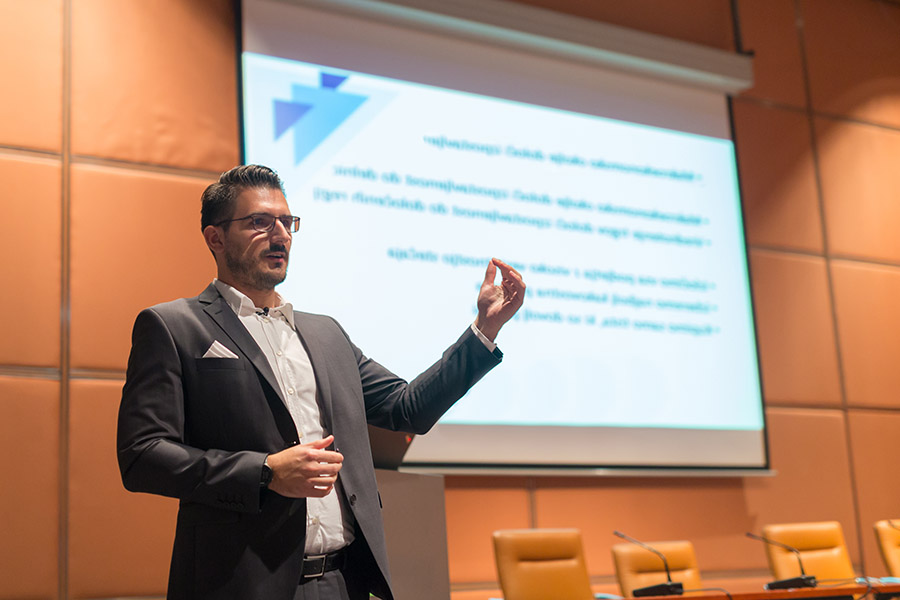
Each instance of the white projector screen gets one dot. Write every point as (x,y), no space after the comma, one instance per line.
(414,157)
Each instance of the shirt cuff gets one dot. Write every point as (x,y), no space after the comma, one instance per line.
(491,346)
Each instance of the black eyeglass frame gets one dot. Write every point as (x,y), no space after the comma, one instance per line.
(292,225)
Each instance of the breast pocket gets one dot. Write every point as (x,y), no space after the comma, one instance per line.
(219,364)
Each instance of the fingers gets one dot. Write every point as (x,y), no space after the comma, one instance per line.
(511,279)
(320,444)
(305,469)
(326,457)
(512,283)
(490,274)
(505,269)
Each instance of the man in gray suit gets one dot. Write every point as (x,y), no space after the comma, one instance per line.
(254,415)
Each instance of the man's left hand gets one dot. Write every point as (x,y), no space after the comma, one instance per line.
(498,303)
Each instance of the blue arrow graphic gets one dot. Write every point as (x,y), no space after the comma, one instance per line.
(286,114)
(314,113)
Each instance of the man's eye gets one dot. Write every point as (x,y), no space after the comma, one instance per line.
(260,222)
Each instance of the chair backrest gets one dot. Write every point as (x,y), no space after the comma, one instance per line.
(888,536)
(537,564)
(821,545)
(637,567)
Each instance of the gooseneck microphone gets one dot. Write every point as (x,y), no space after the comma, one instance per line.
(669,588)
(804,581)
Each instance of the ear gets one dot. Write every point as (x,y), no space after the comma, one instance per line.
(215,240)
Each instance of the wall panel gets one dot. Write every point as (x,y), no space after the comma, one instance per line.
(860,187)
(711,512)
(876,458)
(778,180)
(155,82)
(869,330)
(29,495)
(31,67)
(798,352)
(476,507)
(136,242)
(119,542)
(853,51)
(810,453)
(30,229)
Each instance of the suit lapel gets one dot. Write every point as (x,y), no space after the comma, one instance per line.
(312,343)
(221,313)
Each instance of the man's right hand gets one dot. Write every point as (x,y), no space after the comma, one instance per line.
(305,470)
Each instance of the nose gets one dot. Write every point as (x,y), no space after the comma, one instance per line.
(280,232)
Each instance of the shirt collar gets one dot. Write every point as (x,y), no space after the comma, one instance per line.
(243,306)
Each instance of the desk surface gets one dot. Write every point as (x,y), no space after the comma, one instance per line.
(825,591)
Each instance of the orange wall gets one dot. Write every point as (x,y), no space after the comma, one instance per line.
(116,113)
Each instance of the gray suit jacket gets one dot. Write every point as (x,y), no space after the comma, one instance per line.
(198,429)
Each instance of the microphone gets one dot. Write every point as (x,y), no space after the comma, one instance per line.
(264,312)
(669,588)
(804,581)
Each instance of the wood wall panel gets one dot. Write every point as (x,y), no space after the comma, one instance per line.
(31,67)
(876,460)
(798,351)
(30,229)
(29,495)
(810,455)
(869,331)
(155,82)
(860,187)
(710,512)
(136,242)
(853,52)
(778,180)
(119,543)
(768,29)
(476,507)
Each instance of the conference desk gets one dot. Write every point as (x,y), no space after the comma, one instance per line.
(851,591)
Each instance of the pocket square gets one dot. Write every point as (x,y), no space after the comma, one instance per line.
(218,350)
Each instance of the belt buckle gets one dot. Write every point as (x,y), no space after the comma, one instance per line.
(312,560)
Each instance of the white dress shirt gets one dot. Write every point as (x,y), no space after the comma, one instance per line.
(329,526)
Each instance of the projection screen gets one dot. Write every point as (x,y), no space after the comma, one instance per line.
(414,155)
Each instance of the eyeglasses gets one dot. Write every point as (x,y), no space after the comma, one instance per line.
(266,223)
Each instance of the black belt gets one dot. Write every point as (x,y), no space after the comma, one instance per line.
(317,565)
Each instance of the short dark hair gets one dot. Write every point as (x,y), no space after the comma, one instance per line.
(217,201)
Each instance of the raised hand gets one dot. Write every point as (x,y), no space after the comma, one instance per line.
(498,303)
(305,470)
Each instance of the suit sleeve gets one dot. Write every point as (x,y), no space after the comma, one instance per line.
(414,407)
(153,456)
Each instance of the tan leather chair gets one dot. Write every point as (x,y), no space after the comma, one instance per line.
(821,546)
(637,567)
(889,544)
(540,564)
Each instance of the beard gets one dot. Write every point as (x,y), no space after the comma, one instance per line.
(251,271)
